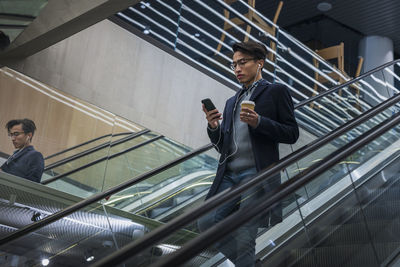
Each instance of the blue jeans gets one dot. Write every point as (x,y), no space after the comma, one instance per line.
(238,246)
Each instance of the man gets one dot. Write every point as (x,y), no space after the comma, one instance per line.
(248,143)
(25,162)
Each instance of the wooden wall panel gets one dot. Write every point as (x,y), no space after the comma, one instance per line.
(62,120)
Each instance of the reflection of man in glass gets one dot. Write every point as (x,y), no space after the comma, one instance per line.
(25,162)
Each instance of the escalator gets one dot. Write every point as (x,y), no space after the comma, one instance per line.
(73,242)
(78,170)
(96,143)
(351,221)
(127,158)
(96,216)
(166,195)
(359,230)
(73,165)
(162,198)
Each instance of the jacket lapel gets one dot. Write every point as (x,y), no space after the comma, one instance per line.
(19,154)
(257,91)
(229,111)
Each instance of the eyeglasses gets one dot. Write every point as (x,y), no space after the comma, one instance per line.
(15,134)
(240,63)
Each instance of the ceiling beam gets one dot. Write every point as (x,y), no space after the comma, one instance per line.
(59,20)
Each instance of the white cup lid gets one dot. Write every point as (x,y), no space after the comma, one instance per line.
(248,102)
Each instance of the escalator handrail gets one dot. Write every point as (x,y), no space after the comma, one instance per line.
(95,149)
(82,144)
(336,88)
(57,177)
(265,204)
(229,194)
(216,199)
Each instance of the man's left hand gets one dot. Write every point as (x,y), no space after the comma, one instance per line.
(249,116)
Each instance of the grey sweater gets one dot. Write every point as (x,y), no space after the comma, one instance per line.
(241,151)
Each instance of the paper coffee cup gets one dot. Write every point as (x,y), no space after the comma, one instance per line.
(248,104)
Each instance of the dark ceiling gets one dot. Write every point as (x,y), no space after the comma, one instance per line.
(359,18)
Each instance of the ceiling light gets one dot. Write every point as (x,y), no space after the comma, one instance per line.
(88,255)
(146,30)
(90,258)
(144,5)
(324,6)
(45,262)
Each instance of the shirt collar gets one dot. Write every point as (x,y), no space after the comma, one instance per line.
(253,85)
(249,89)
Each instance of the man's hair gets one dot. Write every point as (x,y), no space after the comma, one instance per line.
(257,50)
(28,126)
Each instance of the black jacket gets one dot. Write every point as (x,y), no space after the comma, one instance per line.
(277,125)
(28,164)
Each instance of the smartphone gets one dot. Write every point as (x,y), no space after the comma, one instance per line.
(208,104)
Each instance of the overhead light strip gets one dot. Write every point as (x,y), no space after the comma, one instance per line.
(144,27)
(160,14)
(153,21)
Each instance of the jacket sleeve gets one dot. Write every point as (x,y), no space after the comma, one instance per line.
(36,167)
(285,128)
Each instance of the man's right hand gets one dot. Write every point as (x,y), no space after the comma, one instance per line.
(213,117)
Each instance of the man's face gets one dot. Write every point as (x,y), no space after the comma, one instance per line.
(18,137)
(246,67)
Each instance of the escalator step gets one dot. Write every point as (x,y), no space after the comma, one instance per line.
(379,231)
(382,209)
(343,238)
(361,255)
(391,193)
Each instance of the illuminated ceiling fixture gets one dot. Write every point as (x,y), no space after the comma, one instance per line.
(45,262)
(324,6)
(146,30)
(144,5)
(88,255)
(90,258)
